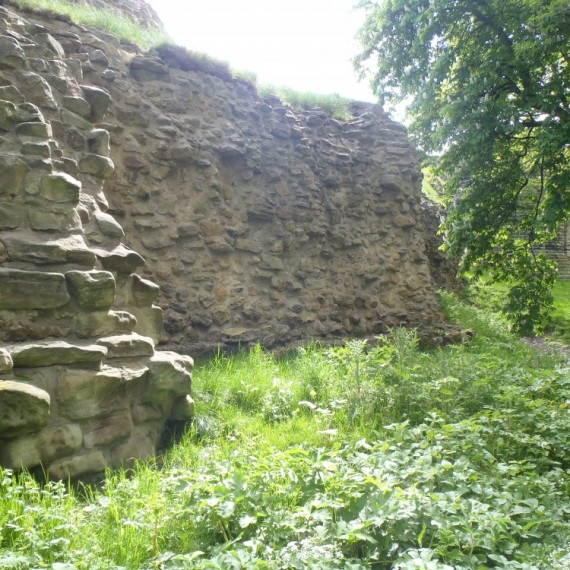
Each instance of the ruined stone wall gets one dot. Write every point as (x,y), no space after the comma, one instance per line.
(81,385)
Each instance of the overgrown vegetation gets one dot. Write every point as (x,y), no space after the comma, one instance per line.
(353,457)
(105,19)
(333,104)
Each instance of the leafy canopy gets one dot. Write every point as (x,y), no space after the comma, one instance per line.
(488,87)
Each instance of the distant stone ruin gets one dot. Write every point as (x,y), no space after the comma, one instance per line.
(257,222)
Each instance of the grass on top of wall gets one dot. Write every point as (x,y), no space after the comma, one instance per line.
(107,20)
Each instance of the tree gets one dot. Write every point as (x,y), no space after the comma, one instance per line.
(487,84)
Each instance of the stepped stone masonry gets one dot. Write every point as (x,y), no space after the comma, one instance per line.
(81,384)
(142,204)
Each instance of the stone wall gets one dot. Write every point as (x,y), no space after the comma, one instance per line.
(81,385)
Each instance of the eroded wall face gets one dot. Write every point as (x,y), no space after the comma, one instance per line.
(262,223)
(81,385)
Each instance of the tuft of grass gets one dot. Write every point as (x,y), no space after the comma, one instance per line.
(105,19)
(561,315)
(189,60)
(333,104)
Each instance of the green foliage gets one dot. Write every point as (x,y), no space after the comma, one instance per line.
(190,60)
(488,83)
(365,455)
(112,21)
(333,104)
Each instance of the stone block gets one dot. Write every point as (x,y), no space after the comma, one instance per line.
(98,142)
(120,259)
(100,323)
(144,292)
(109,429)
(29,248)
(127,345)
(92,290)
(66,221)
(23,408)
(60,187)
(21,290)
(77,105)
(55,352)
(96,165)
(172,372)
(36,149)
(76,466)
(35,130)
(142,413)
(150,322)
(20,453)
(37,89)
(11,93)
(86,394)
(98,99)
(12,56)
(108,226)
(13,172)
(139,447)
(9,116)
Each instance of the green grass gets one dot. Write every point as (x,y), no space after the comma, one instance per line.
(333,104)
(358,456)
(561,315)
(104,19)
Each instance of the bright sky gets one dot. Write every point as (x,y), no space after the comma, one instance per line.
(303,44)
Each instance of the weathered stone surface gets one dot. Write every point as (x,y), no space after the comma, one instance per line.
(94,393)
(108,225)
(77,466)
(109,430)
(100,166)
(98,99)
(171,372)
(9,115)
(127,345)
(37,89)
(144,292)
(31,249)
(100,323)
(6,363)
(150,322)
(182,409)
(60,187)
(23,408)
(120,259)
(31,290)
(12,56)
(98,142)
(139,447)
(92,290)
(13,172)
(36,130)
(77,105)
(51,352)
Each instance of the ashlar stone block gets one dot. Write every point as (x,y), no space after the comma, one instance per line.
(60,187)
(24,290)
(52,352)
(92,290)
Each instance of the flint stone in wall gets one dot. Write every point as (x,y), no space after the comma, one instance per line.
(50,43)
(93,290)
(23,408)
(70,249)
(80,465)
(98,99)
(52,352)
(99,323)
(47,445)
(71,119)
(12,56)
(94,393)
(60,187)
(22,290)
(127,345)
(13,172)
(37,89)
(172,372)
